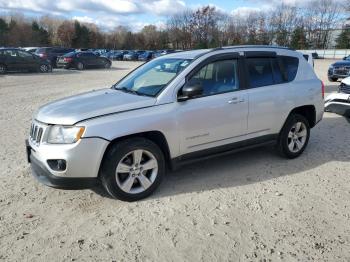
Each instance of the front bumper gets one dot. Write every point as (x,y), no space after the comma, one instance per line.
(83,160)
(43,175)
(338,103)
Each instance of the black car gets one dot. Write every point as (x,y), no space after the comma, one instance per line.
(51,53)
(82,60)
(13,59)
(340,69)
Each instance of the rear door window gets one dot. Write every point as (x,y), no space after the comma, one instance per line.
(260,72)
(11,53)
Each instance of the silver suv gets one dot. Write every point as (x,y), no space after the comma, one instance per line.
(172,110)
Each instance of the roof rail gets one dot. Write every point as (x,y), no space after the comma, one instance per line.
(251,46)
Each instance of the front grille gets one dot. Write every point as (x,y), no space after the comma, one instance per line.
(344,88)
(342,70)
(36,133)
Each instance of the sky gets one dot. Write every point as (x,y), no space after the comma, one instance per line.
(135,14)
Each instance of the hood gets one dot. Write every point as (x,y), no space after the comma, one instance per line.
(342,63)
(71,110)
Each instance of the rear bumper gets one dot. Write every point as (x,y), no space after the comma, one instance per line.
(63,66)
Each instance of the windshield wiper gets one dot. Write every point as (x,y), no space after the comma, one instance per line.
(130,91)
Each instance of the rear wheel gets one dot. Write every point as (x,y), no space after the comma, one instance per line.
(107,64)
(132,169)
(2,69)
(294,136)
(44,68)
(332,79)
(80,66)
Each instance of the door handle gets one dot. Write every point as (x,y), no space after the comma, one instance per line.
(235,100)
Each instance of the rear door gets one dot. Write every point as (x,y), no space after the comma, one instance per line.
(27,61)
(270,95)
(87,59)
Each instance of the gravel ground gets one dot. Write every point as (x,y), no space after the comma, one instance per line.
(249,206)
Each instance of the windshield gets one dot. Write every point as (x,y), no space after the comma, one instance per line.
(152,77)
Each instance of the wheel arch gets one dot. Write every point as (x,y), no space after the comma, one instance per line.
(307,111)
(156,137)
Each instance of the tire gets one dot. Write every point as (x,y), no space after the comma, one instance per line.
(136,182)
(289,136)
(80,66)
(332,79)
(107,65)
(2,69)
(44,68)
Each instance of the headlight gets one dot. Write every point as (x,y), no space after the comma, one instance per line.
(64,134)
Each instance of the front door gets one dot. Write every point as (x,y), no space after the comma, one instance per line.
(217,117)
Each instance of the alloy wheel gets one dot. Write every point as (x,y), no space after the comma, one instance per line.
(44,68)
(136,171)
(2,69)
(297,137)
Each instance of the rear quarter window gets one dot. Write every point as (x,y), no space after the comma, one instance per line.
(291,65)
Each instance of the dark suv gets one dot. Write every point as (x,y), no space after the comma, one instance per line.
(51,53)
(340,69)
(13,59)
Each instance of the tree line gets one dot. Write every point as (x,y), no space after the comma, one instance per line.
(310,26)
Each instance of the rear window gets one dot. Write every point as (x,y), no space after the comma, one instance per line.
(42,50)
(291,66)
(71,54)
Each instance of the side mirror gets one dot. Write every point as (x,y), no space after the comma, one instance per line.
(190,90)
(344,58)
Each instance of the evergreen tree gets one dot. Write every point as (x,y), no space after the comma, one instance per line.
(39,35)
(298,39)
(3,31)
(81,39)
(343,40)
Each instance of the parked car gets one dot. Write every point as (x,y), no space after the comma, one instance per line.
(30,49)
(13,59)
(340,69)
(164,52)
(173,110)
(146,56)
(115,55)
(132,55)
(51,53)
(83,60)
(339,103)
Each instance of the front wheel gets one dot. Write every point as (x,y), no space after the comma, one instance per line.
(132,169)
(294,136)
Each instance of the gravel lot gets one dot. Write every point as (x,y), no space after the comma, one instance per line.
(249,206)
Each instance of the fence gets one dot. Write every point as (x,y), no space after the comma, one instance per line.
(329,53)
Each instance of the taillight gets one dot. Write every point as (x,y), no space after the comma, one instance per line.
(68,59)
(322,87)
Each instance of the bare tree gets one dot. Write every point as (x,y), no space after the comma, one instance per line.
(66,33)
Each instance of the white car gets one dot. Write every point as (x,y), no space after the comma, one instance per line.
(339,103)
(309,59)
